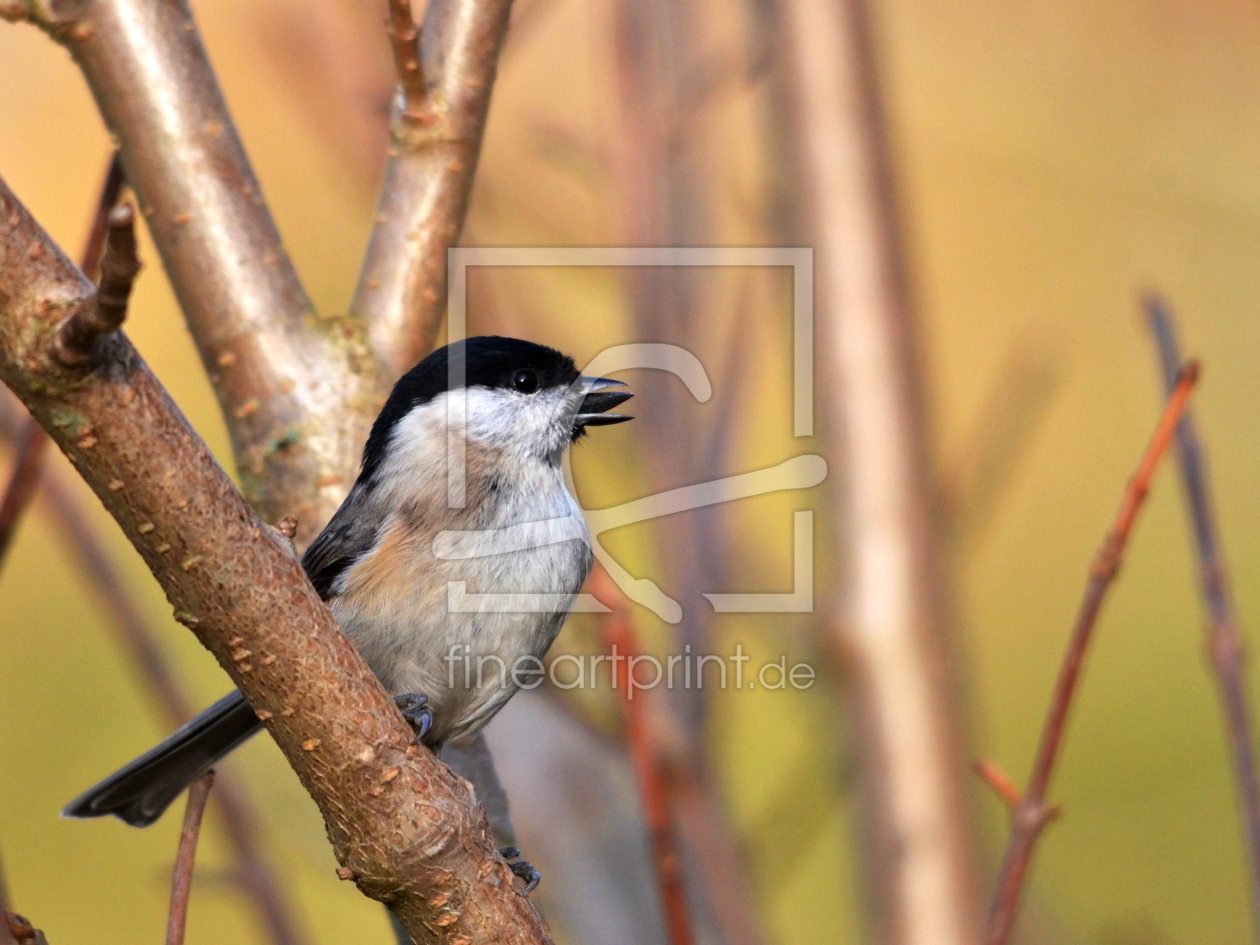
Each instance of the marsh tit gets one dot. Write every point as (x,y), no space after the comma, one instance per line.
(388,560)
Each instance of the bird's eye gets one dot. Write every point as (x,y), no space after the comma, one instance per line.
(525,381)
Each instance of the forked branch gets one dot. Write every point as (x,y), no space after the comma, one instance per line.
(436,128)
(1031,814)
(278,375)
(403,827)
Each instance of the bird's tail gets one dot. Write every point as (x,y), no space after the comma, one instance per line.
(140,792)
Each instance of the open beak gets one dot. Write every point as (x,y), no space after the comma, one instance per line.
(599,399)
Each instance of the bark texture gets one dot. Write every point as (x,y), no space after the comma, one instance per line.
(404,828)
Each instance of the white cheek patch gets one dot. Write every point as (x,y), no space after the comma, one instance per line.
(515,425)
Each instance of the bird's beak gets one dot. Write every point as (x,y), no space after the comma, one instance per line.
(599,400)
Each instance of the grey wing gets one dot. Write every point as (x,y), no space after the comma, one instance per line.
(351,534)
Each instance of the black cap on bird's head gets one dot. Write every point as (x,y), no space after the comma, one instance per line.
(520,369)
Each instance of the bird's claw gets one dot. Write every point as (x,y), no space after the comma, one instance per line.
(415,709)
(521,868)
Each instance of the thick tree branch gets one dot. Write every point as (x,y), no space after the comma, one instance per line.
(404,828)
(1224,636)
(278,372)
(435,143)
(1031,814)
(893,621)
(256,879)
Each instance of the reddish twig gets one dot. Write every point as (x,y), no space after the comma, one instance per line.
(654,783)
(1031,814)
(404,37)
(22,482)
(1224,638)
(181,883)
(1000,781)
(25,475)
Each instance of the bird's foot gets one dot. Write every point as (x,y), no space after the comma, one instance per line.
(415,709)
(523,870)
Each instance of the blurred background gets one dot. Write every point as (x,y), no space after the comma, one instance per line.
(1052,159)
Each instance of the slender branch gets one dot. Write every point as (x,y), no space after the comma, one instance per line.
(403,827)
(404,36)
(654,784)
(1224,637)
(1031,815)
(401,295)
(22,483)
(893,616)
(1000,781)
(181,883)
(277,374)
(25,475)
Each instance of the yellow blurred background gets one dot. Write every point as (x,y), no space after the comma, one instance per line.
(1054,157)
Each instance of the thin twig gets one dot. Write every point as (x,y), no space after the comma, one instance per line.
(25,475)
(1224,637)
(181,883)
(22,482)
(404,36)
(1000,781)
(654,783)
(1031,815)
(79,334)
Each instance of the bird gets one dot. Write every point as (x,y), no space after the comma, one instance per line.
(387,562)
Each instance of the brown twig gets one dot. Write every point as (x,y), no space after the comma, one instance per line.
(22,482)
(1031,814)
(403,827)
(1224,638)
(401,295)
(892,620)
(404,36)
(181,882)
(654,783)
(79,334)
(31,442)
